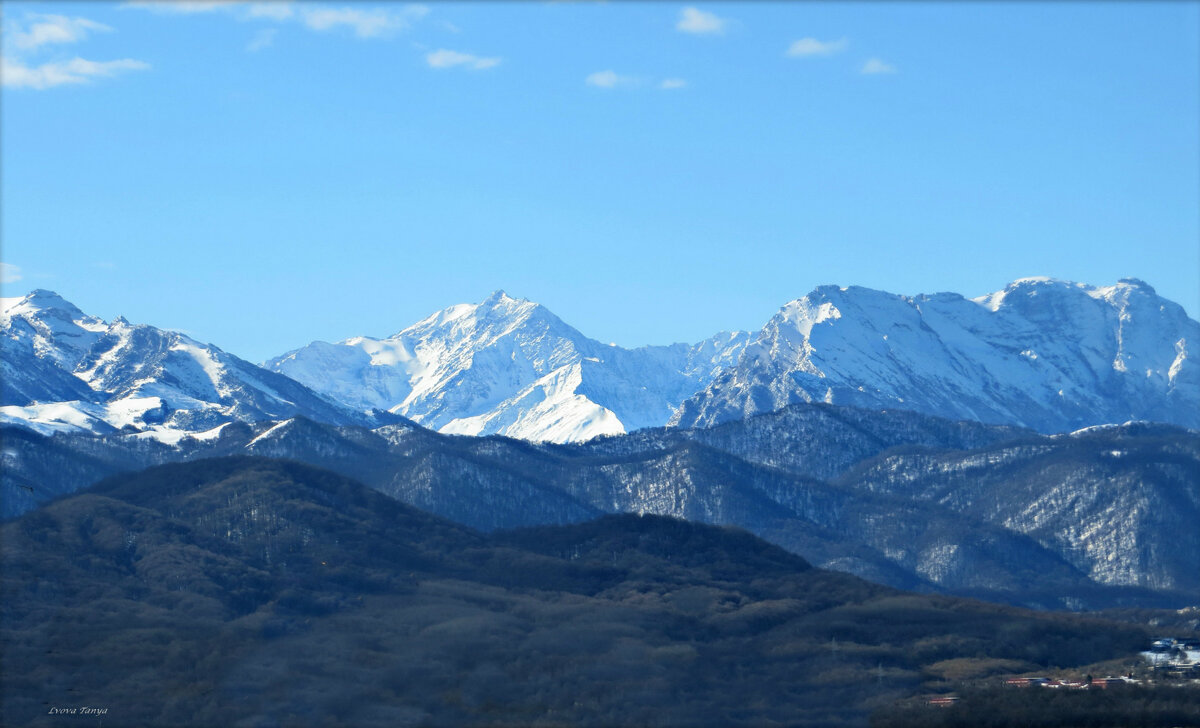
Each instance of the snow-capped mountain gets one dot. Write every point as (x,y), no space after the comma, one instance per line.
(1047,354)
(66,370)
(509,366)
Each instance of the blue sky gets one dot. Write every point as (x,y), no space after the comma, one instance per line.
(262,175)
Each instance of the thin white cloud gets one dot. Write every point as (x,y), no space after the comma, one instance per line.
(182,7)
(46,29)
(263,39)
(270,11)
(16,74)
(874,65)
(371,23)
(9,273)
(806,47)
(700,22)
(608,79)
(443,58)
(28,37)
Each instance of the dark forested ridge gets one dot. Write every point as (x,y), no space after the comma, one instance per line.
(1085,521)
(249,591)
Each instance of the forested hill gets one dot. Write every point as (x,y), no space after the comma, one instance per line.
(262,592)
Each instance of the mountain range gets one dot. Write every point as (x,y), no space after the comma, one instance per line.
(758,433)
(1044,354)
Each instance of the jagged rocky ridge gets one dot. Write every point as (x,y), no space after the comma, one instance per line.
(64,369)
(1041,528)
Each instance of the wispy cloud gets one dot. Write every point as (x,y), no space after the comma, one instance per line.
(270,11)
(33,33)
(443,58)
(874,65)
(46,29)
(282,10)
(608,79)
(263,39)
(807,47)
(16,74)
(9,273)
(182,7)
(700,22)
(373,23)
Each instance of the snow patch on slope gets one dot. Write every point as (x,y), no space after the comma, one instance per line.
(53,417)
(549,410)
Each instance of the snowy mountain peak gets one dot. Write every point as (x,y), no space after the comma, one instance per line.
(1138,283)
(66,370)
(502,307)
(44,304)
(42,299)
(1025,289)
(1044,353)
(499,296)
(509,366)
(465,318)
(821,306)
(49,326)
